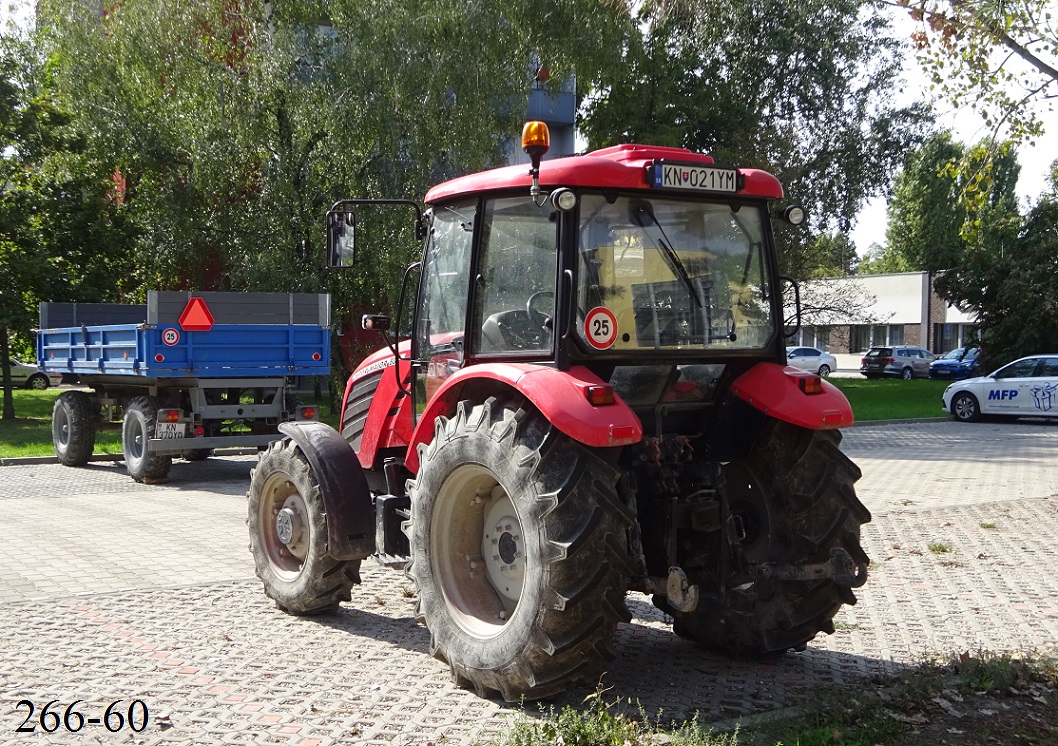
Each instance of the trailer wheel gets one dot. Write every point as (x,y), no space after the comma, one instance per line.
(288,535)
(141,415)
(793,503)
(519,551)
(73,428)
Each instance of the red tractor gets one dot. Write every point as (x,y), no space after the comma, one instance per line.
(592,399)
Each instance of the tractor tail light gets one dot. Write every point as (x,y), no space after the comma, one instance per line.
(600,395)
(811,384)
(306,413)
(170,415)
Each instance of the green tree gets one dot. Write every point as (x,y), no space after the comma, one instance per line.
(1009,278)
(832,255)
(238,123)
(63,235)
(881,260)
(803,89)
(925,212)
(938,209)
(1000,58)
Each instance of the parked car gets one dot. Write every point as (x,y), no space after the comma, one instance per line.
(902,361)
(1025,388)
(29,376)
(811,359)
(956,365)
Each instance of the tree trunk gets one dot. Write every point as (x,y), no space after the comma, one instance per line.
(5,367)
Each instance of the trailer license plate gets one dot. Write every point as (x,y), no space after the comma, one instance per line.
(169,430)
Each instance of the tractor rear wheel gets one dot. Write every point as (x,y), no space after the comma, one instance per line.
(519,551)
(288,535)
(794,503)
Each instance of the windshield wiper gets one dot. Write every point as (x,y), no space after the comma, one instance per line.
(637,211)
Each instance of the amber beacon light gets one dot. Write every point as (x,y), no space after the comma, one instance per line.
(536,139)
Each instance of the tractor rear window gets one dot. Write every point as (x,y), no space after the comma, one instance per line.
(668,274)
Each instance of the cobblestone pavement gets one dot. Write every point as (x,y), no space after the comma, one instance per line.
(111,590)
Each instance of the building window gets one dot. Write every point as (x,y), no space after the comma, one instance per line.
(862,337)
(813,336)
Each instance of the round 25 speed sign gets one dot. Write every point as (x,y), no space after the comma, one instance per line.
(171,336)
(600,327)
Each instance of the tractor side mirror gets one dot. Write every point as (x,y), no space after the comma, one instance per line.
(341,238)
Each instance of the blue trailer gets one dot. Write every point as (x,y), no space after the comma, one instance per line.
(184,374)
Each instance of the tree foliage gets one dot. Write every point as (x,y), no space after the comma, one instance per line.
(237,124)
(803,89)
(1001,58)
(1010,280)
(63,232)
(937,210)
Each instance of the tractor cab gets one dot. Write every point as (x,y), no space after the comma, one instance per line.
(653,267)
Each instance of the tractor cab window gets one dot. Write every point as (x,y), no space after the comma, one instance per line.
(658,273)
(515,283)
(443,296)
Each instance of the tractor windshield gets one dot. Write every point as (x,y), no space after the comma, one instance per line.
(671,274)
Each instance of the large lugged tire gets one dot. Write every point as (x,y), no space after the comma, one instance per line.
(794,501)
(519,551)
(288,535)
(141,415)
(73,427)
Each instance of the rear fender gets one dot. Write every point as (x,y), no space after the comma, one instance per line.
(775,390)
(346,497)
(560,395)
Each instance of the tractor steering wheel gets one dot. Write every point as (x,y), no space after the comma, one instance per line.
(537,318)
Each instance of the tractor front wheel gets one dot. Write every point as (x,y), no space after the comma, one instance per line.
(288,535)
(519,551)
(793,504)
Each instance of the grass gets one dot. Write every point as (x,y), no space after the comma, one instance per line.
(877,399)
(29,434)
(965,699)
(892,398)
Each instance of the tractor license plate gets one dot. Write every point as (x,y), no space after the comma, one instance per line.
(169,430)
(695,178)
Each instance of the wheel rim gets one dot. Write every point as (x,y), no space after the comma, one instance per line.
(750,512)
(964,408)
(282,520)
(136,439)
(908,374)
(824,370)
(477,551)
(62,427)
(39,384)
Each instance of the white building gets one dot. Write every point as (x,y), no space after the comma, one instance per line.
(902,310)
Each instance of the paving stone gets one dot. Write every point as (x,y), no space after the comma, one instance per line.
(147,592)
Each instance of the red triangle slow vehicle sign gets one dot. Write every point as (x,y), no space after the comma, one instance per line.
(196,316)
